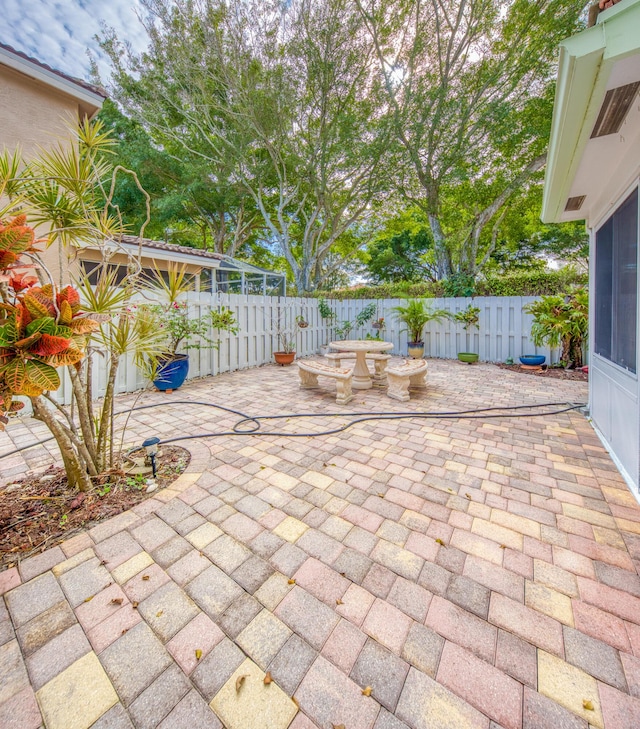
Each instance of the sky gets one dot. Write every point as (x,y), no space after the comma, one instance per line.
(59,32)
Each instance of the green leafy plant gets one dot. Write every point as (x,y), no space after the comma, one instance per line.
(361,318)
(468,317)
(326,312)
(104,490)
(562,321)
(63,521)
(415,315)
(136,482)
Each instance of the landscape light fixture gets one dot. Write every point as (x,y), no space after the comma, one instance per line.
(151,446)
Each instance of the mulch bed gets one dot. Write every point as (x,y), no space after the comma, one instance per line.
(556,373)
(38,512)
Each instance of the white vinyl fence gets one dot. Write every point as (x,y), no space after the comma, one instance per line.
(504,331)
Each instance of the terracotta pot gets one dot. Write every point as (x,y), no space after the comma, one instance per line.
(284,358)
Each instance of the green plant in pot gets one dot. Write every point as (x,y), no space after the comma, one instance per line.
(562,321)
(469,318)
(415,315)
(182,331)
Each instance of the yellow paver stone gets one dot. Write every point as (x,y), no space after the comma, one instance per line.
(77,697)
(283,481)
(555,577)
(517,523)
(72,562)
(549,602)
(497,533)
(253,704)
(588,515)
(131,567)
(610,537)
(626,525)
(319,480)
(203,535)
(569,687)
(290,529)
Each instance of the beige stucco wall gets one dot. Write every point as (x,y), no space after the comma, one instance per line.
(34,115)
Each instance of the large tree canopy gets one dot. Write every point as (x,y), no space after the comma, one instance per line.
(277,98)
(309,114)
(469,86)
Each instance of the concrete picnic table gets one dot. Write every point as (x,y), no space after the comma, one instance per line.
(361,377)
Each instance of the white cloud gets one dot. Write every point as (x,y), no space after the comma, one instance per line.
(59,33)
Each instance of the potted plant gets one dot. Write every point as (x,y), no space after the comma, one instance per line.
(301,322)
(285,326)
(181,329)
(415,315)
(469,318)
(328,315)
(562,321)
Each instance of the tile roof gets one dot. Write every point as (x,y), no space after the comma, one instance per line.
(78,82)
(172,248)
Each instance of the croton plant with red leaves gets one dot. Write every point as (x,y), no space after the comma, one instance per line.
(41,328)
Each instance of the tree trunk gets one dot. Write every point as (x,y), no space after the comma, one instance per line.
(443,259)
(73,462)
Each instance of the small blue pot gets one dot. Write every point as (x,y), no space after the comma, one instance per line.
(172,372)
(532,360)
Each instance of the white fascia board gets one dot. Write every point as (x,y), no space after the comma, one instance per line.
(53,80)
(585,63)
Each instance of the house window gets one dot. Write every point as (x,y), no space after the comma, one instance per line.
(616,286)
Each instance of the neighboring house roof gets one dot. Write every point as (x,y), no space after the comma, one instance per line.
(180,251)
(595,133)
(89,95)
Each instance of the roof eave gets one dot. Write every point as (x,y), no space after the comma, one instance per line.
(586,60)
(88,100)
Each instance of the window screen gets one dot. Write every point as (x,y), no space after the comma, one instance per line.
(616,286)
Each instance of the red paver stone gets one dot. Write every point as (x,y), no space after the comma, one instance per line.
(201,634)
(422,545)
(109,630)
(517,658)
(241,527)
(633,631)
(601,552)
(619,710)
(388,625)
(356,602)
(138,589)
(9,579)
(102,606)
(480,684)
(494,577)
(631,666)
(600,624)
(519,563)
(461,627)
(609,599)
(329,697)
(344,645)
(321,581)
(20,711)
(576,563)
(529,624)
(362,518)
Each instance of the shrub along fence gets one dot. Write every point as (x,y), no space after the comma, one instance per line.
(504,330)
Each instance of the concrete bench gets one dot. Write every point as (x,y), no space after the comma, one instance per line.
(379,363)
(310,370)
(401,377)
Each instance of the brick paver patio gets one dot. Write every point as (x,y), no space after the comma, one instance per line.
(471,573)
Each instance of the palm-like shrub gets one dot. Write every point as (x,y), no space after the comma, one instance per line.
(562,321)
(415,315)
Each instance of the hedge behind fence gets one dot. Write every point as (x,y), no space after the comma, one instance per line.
(525,283)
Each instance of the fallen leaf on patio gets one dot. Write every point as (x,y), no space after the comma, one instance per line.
(588,705)
(124,631)
(468,496)
(503,546)
(134,604)
(291,581)
(240,681)
(439,541)
(295,701)
(338,726)
(339,602)
(451,490)
(366,691)
(262,468)
(145,577)
(88,599)
(159,613)
(343,573)
(202,554)
(267,678)
(198,654)
(381,496)
(116,601)
(104,561)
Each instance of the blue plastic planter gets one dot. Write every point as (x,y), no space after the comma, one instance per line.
(172,372)
(532,360)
